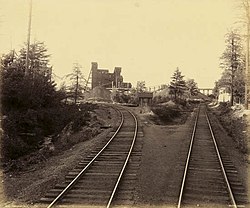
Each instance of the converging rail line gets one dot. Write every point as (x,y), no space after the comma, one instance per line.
(95,181)
(209,178)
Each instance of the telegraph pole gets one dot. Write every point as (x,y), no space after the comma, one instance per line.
(247,73)
(247,67)
(28,40)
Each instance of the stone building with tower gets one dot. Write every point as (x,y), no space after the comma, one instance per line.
(103,78)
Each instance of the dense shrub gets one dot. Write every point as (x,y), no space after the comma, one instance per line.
(194,102)
(224,108)
(165,113)
(182,102)
(160,99)
(31,106)
(82,117)
(124,98)
(13,147)
(235,126)
(24,131)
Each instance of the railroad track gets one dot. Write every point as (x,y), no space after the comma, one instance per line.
(107,176)
(209,179)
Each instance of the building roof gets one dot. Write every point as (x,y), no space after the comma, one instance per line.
(145,94)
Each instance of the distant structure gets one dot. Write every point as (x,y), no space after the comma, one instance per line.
(102,77)
(157,88)
(224,96)
(206,91)
(145,98)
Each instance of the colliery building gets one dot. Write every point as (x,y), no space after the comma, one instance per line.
(102,77)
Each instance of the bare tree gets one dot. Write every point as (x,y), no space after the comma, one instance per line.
(78,82)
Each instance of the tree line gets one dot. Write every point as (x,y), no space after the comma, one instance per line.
(31,106)
(235,59)
(178,87)
(233,68)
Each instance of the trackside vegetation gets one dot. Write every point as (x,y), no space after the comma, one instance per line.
(174,105)
(31,107)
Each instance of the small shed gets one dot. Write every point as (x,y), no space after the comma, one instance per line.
(145,98)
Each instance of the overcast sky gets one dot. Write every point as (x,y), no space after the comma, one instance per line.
(147,38)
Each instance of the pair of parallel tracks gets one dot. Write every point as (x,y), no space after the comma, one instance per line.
(210,178)
(95,180)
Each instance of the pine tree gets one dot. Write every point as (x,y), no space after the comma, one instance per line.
(26,102)
(178,84)
(192,87)
(38,59)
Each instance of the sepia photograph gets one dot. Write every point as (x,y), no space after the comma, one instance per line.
(124,103)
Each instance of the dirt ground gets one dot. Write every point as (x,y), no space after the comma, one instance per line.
(163,157)
(163,160)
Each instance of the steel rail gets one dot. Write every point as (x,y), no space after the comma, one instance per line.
(125,163)
(188,159)
(221,164)
(86,167)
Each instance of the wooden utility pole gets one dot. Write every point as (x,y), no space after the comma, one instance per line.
(233,69)
(77,86)
(247,73)
(28,40)
(247,60)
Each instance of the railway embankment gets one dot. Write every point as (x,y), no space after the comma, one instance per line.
(236,123)
(36,173)
(231,126)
